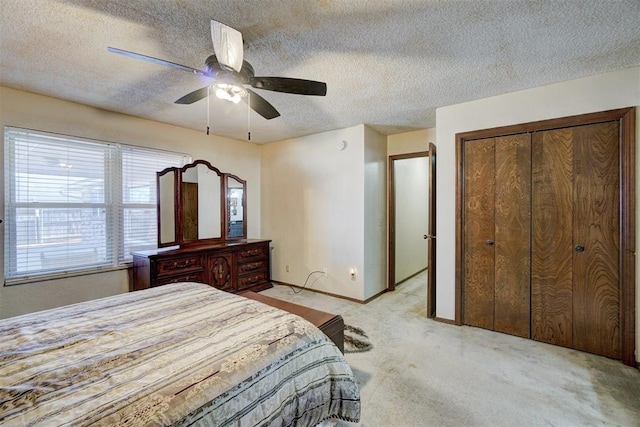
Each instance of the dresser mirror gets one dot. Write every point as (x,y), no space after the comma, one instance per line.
(199,204)
(236,202)
(166,188)
(200,190)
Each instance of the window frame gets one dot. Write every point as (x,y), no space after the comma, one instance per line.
(114,204)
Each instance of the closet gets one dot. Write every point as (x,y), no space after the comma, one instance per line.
(545,233)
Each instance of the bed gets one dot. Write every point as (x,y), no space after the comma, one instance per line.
(180,354)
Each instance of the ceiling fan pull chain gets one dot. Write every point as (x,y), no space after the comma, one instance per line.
(208,102)
(248,116)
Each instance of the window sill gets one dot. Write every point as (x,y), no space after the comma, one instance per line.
(56,276)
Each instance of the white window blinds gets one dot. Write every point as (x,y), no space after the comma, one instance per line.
(138,210)
(75,204)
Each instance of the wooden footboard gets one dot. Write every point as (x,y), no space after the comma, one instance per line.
(331,324)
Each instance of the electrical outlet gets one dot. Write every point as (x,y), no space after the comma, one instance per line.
(352,273)
(286,268)
(324,271)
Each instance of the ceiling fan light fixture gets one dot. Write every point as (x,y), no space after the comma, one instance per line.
(229,92)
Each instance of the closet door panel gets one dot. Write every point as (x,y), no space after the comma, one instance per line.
(596,308)
(552,241)
(513,234)
(478,291)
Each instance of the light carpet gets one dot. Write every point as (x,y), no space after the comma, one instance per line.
(425,373)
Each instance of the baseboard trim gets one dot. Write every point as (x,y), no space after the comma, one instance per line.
(447,321)
(384,291)
(275,282)
(411,276)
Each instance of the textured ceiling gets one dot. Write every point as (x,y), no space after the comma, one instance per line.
(387,63)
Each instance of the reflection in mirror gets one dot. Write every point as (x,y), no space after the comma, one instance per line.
(235,207)
(200,200)
(167,208)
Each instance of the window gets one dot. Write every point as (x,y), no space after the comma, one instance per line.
(74,203)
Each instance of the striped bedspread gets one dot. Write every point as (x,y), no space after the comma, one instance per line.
(182,354)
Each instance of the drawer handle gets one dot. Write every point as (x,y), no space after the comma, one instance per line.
(252,252)
(184,279)
(251,266)
(253,279)
(181,264)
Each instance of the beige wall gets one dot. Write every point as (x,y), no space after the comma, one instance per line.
(598,93)
(410,142)
(26,110)
(314,198)
(375,212)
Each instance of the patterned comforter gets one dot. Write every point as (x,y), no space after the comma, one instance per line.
(182,354)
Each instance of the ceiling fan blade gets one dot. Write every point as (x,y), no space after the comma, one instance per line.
(154,60)
(194,96)
(261,105)
(258,103)
(288,85)
(227,44)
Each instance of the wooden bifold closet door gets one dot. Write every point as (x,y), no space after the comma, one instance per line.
(576,238)
(541,234)
(497,234)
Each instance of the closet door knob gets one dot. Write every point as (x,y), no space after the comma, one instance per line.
(579,248)
(490,242)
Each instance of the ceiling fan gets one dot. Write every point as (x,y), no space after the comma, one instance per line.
(231,74)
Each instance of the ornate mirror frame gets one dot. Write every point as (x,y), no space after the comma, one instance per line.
(171,209)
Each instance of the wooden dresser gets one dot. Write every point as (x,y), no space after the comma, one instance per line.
(232,266)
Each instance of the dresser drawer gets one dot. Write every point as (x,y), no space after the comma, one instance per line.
(249,266)
(252,279)
(255,251)
(178,265)
(189,277)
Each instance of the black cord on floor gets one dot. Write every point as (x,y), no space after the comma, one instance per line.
(305,282)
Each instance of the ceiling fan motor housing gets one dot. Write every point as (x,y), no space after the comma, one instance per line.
(214,70)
